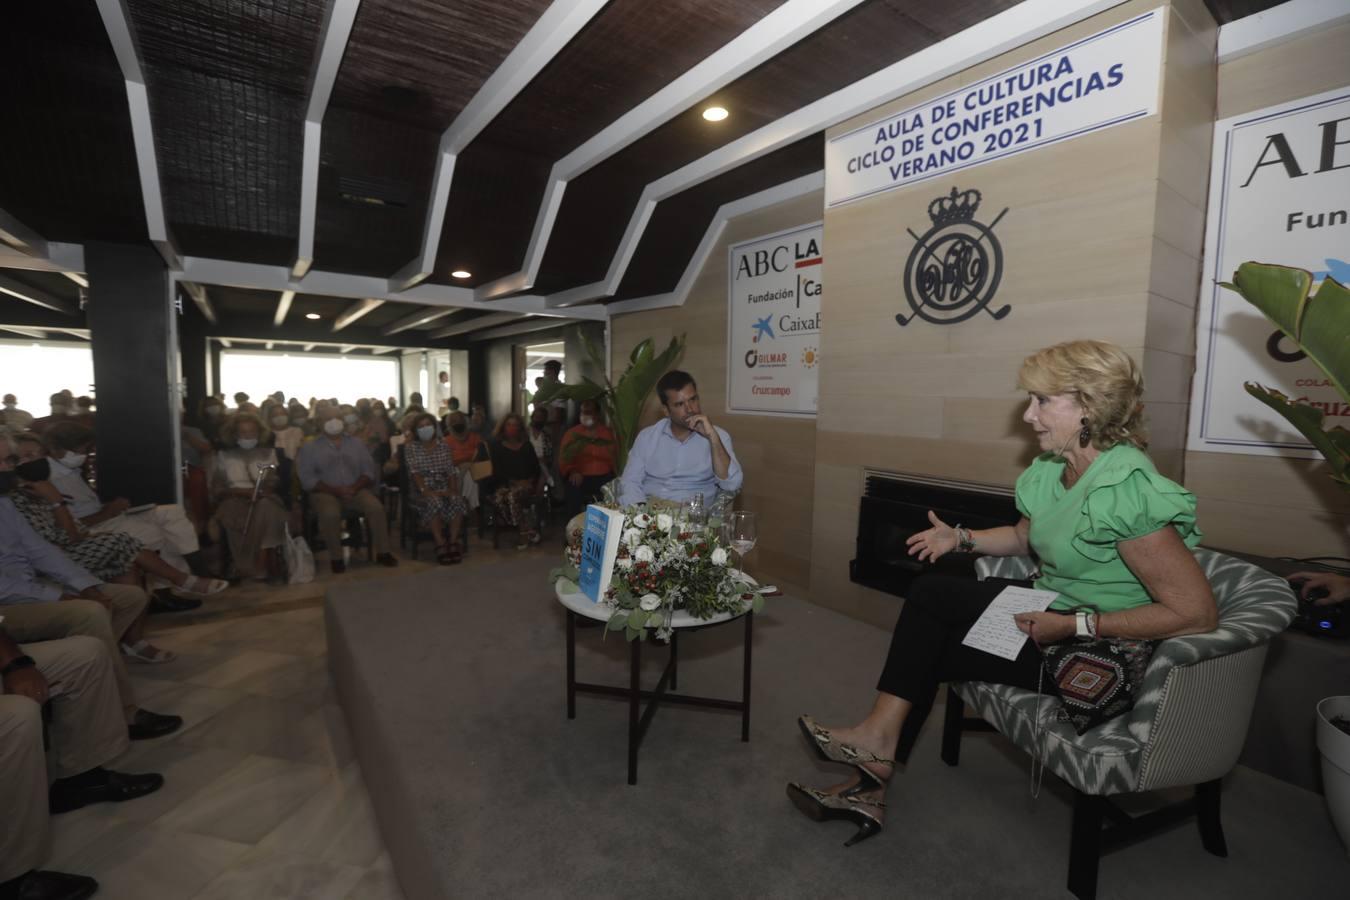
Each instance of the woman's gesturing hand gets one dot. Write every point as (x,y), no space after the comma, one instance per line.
(933,543)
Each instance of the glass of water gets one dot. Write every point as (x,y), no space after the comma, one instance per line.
(738,531)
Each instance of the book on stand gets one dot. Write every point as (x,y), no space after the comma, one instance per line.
(599,548)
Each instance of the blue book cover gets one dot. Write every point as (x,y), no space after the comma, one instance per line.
(599,548)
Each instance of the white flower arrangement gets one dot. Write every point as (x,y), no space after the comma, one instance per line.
(663,565)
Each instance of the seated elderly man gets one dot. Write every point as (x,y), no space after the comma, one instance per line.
(76,675)
(13,419)
(71,602)
(165,529)
(682,455)
(337,471)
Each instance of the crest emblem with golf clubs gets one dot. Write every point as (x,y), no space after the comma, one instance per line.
(955,266)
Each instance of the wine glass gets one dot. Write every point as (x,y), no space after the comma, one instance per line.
(738,530)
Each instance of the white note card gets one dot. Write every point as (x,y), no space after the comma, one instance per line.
(995,632)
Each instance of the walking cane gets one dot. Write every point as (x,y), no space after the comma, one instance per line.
(257,487)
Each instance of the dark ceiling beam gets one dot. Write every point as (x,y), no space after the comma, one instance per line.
(780,29)
(117,22)
(418,319)
(34,333)
(283,307)
(551,33)
(202,300)
(21,237)
(513,330)
(475,324)
(36,296)
(337,28)
(356,311)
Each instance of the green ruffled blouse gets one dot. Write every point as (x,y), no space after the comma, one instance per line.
(1075,530)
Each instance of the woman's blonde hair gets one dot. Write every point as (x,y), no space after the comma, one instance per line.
(1106,382)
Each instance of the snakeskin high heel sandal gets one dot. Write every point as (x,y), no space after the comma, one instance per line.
(859,804)
(831,750)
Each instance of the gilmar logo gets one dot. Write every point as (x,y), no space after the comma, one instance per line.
(754,358)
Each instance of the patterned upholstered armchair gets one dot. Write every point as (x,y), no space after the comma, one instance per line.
(1187,727)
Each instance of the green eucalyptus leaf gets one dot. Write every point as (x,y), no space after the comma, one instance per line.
(618,621)
(758,603)
(637,618)
(567,586)
(633,634)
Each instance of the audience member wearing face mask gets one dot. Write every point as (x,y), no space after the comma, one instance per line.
(110,557)
(436,494)
(586,459)
(165,529)
(466,447)
(338,472)
(210,419)
(518,476)
(244,483)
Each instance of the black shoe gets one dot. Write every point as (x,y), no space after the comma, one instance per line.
(38,885)
(68,794)
(164,602)
(147,725)
(338,567)
(387,559)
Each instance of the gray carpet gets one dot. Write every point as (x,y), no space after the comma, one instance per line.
(453,684)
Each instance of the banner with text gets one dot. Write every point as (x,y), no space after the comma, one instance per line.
(1279,192)
(1103,80)
(773,323)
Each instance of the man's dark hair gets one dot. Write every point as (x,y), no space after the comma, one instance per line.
(553,364)
(67,436)
(674,380)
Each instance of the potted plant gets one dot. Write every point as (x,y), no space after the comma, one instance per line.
(1320,324)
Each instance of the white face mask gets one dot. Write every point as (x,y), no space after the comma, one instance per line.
(426,432)
(588,421)
(280,421)
(213,411)
(247,443)
(73,460)
(333,426)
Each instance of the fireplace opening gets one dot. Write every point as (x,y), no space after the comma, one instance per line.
(895,505)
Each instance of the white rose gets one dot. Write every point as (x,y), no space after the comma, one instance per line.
(632,537)
(664,521)
(719,557)
(624,562)
(649,602)
(644,554)
(642,520)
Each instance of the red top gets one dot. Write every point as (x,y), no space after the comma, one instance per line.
(464,450)
(591,459)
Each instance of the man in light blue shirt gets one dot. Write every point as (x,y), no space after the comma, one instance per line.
(682,455)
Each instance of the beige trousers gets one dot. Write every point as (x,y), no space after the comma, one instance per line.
(65,618)
(328,510)
(86,732)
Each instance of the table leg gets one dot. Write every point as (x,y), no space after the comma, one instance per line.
(674,660)
(571,664)
(745,678)
(634,701)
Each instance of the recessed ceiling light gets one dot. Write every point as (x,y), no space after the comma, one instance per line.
(313,316)
(460,273)
(715,113)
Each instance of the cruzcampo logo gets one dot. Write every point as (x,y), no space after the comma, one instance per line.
(956,265)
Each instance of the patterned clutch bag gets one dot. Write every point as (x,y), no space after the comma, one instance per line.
(1096,681)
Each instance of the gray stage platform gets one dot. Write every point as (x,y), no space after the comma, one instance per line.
(452,683)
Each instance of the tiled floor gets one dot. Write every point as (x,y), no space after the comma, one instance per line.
(262,797)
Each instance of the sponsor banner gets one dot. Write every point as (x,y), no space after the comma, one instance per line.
(1102,80)
(773,323)
(1279,193)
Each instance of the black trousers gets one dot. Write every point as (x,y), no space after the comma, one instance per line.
(926,648)
(578,496)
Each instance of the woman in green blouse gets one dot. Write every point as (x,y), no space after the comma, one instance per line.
(1109,532)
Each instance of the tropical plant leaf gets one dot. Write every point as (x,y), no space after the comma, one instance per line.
(1334,445)
(587,390)
(1320,323)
